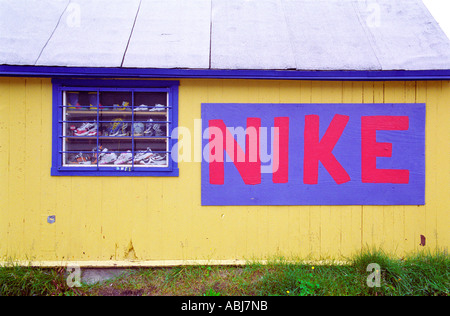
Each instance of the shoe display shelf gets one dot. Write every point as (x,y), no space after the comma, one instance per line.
(106,117)
(117,126)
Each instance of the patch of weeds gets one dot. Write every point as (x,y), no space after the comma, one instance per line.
(212,292)
(305,287)
(421,274)
(18,280)
(289,279)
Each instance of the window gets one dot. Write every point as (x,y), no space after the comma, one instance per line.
(114,127)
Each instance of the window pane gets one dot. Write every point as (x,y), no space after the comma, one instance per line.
(115,129)
(79,126)
(151,138)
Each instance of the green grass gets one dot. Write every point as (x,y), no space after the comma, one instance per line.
(424,274)
(28,281)
(418,275)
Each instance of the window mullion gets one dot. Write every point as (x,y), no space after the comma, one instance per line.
(97,148)
(132,130)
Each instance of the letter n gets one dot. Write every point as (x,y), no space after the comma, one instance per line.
(248,164)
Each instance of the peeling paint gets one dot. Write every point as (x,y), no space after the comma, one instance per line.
(130,253)
(422,240)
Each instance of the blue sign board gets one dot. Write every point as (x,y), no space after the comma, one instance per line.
(313,154)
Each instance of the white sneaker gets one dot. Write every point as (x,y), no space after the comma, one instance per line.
(142,107)
(157,108)
(107,158)
(158,130)
(149,131)
(85,129)
(138,129)
(98,153)
(143,155)
(124,158)
(156,159)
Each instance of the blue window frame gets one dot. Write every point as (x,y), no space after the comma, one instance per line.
(114,127)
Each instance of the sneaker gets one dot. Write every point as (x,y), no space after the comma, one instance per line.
(118,128)
(143,155)
(159,157)
(107,158)
(124,158)
(138,129)
(149,131)
(72,100)
(80,159)
(156,159)
(124,106)
(157,108)
(158,130)
(142,107)
(100,151)
(93,101)
(85,129)
(153,129)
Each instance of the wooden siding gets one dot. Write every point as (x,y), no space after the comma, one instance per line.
(125,219)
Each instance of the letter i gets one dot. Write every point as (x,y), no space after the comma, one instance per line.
(281,150)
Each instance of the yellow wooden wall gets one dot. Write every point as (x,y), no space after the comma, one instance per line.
(155,219)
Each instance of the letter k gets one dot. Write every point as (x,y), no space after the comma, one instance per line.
(315,150)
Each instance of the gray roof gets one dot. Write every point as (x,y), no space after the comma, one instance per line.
(223,34)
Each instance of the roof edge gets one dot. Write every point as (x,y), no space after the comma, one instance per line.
(341,75)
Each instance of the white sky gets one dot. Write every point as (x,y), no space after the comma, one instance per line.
(440,9)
